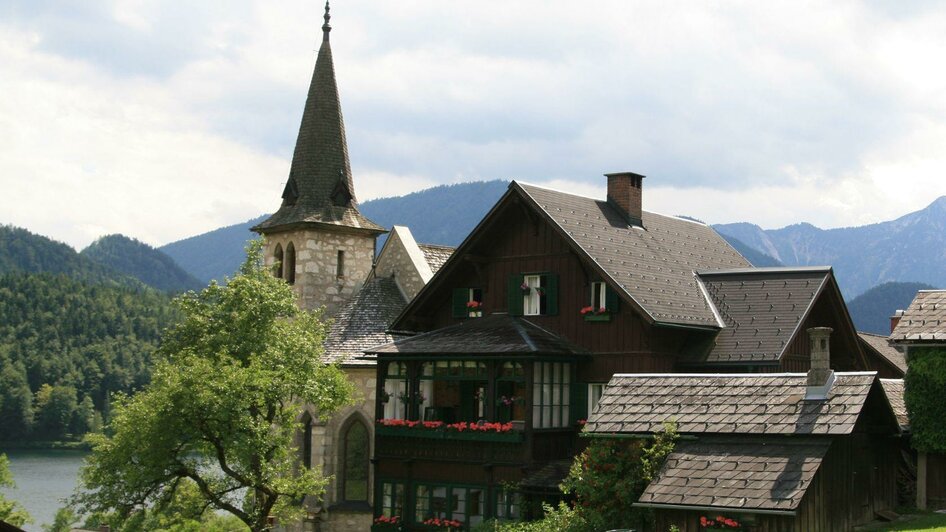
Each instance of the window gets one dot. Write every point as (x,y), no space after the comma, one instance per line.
(461,503)
(340,264)
(507,505)
(467,302)
(290,268)
(355,466)
(595,391)
(533,294)
(278,261)
(394,397)
(598,298)
(453,390)
(392,499)
(551,394)
(510,393)
(306,448)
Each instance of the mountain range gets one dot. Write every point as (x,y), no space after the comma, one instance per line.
(911,248)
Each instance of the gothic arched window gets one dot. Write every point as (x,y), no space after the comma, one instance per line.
(355,456)
(277,256)
(290,268)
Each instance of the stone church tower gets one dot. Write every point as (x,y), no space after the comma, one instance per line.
(318,240)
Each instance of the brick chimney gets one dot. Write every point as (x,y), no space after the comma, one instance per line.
(820,376)
(625,192)
(895,320)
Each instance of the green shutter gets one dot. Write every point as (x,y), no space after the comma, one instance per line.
(579,404)
(460,298)
(611,300)
(514,294)
(550,280)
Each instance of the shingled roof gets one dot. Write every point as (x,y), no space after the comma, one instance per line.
(436,255)
(497,334)
(894,390)
(655,264)
(319,189)
(729,404)
(924,319)
(738,474)
(881,345)
(762,308)
(363,322)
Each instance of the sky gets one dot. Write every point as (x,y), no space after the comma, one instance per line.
(164,119)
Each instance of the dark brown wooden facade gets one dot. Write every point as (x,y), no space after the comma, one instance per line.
(514,240)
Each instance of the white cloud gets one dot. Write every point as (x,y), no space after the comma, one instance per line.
(160,122)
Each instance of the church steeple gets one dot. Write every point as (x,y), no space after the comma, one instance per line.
(319,189)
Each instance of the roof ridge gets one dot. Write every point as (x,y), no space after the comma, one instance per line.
(746,375)
(767,269)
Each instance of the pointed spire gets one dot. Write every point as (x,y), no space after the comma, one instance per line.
(320,188)
(326,27)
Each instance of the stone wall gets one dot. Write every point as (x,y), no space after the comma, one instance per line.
(327,437)
(317,261)
(403,259)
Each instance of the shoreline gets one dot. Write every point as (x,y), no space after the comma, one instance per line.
(44,446)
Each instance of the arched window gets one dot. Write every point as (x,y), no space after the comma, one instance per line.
(355,462)
(290,268)
(305,448)
(277,267)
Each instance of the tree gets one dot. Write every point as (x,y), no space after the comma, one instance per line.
(221,407)
(923,395)
(10,511)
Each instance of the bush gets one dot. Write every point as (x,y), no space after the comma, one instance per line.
(923,393)
(562,518)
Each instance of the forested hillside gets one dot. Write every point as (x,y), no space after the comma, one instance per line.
(23,251)
(141,261)
(65,345)
(871,310)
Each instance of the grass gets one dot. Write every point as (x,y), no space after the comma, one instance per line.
(920,521)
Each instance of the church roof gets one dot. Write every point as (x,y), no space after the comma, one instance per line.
(363,322)
(319,189)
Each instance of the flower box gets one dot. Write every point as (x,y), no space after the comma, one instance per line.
(476,313)
(597,317)
(510,437)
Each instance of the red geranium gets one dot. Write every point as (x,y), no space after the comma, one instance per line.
(473,305)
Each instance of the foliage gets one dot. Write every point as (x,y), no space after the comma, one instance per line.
(610,472)
(24,252)
(82,340)
(871,310)
(923,394)
(65,519)
(141,261)
(10,511)
(562,518)
(221,407)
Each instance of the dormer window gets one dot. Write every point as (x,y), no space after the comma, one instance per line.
(468,303)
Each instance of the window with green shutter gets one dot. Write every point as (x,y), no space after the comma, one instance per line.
(467,302)
(533,294)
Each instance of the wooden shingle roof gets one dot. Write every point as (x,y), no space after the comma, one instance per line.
(436,255)
(729,404)
(363,322)
(894,390)
(924,319)
(319,189)
(762,308)
(738,474)
(497,334)
(653,264)
(882,346)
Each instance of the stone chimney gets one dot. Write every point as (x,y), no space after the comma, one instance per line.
(820,376)
(625,192)
(895,320)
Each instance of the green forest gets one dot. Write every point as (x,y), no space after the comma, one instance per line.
(73,330)
(65,345)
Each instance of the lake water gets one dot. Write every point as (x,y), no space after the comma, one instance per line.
(43,479)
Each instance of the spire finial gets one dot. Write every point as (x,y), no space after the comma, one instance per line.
(326,27)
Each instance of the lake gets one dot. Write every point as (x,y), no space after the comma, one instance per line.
(43,478)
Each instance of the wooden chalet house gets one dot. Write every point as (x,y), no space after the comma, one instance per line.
(512,342)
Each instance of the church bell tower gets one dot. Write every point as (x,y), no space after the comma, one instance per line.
(318,241)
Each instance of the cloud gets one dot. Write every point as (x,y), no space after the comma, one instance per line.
(160,119)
